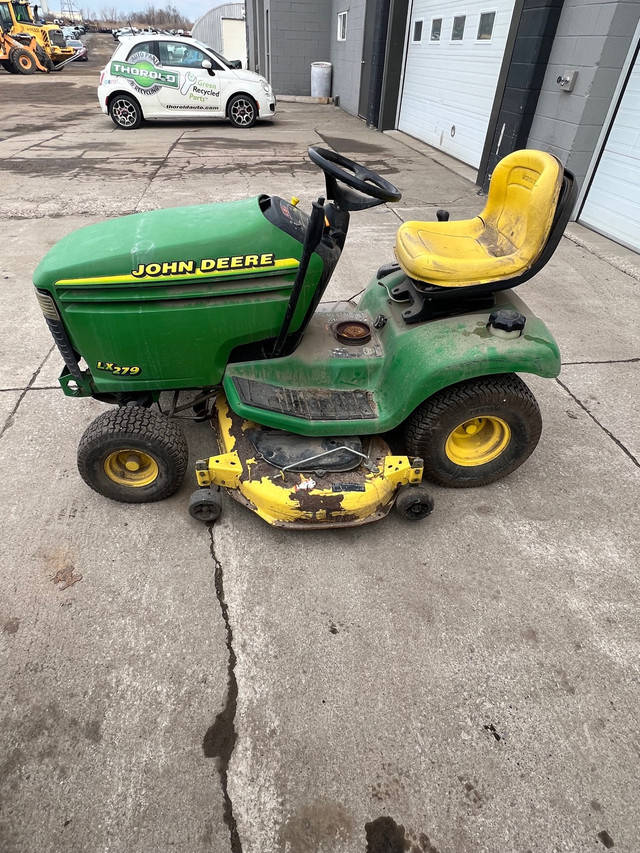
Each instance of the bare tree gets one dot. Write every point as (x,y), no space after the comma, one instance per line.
(109,14)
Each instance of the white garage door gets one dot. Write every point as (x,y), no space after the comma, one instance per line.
(453,61)
(612,206)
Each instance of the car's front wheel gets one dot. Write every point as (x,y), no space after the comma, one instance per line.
(242,111)
(125,112)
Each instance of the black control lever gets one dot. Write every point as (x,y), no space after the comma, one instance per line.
(312,238)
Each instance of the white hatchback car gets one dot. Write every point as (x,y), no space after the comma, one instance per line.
(157,76)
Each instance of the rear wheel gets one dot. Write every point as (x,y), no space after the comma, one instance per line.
(7,66)
(43,58)
(475,432)
(125,112)
(133,455)
(242,111)
(22,61)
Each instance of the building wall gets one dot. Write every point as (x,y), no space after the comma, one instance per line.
(234,39)
(298,36)
(208,28)
(346,56)
(593,38)
(254,11)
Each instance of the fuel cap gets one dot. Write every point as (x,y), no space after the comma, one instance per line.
(506,323)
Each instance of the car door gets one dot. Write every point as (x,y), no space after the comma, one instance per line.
(198,91)
(141,72)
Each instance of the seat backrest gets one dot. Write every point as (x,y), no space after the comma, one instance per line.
(521,203)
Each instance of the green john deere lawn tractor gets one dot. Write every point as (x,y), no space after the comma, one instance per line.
(220,305)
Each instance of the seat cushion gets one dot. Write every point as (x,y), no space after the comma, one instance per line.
(501,243)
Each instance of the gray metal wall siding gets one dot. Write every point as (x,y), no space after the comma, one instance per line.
(208,28)
(253,48)
(299,36)
(346,56)
(593,38)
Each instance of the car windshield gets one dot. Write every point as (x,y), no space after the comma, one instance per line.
(217,55)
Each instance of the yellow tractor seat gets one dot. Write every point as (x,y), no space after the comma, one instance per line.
(502,242)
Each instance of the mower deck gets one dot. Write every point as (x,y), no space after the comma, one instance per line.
(286,498)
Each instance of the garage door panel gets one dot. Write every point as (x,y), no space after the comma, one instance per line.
(449,86)
(612,205)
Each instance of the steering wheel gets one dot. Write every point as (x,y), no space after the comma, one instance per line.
(340,169)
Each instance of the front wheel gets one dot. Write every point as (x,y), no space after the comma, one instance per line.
(242,111)
(125,112)
(22,61)
(133,455)
(475,432)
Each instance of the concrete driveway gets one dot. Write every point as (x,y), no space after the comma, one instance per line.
(469,684)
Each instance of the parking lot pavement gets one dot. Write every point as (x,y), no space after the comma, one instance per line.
(469,684)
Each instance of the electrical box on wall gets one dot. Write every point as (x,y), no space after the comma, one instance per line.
(567,80)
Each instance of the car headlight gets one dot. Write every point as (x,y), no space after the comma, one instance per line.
(266,87)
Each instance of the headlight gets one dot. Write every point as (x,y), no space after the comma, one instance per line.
(266,87)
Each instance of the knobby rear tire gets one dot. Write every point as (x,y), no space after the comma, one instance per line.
(502,405)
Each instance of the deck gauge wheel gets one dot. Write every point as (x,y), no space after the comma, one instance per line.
(414,503)
(205,506)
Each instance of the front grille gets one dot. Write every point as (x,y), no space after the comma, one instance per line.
(60,337)
(47,305)
(56,38)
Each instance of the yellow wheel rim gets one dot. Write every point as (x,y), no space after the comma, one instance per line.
(131,468)
(477,441)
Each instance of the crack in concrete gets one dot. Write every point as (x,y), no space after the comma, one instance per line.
(617,441)
(606,361)
(220,738)
(9,421)
(26,390)
(155,174)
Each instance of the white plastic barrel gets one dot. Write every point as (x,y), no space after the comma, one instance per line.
(320,79)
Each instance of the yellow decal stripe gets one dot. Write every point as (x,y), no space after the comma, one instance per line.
(277,266)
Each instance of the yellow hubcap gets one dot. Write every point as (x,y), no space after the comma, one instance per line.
(477,441)
(131,468)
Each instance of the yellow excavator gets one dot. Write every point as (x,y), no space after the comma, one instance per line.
(17,21)
(21,54)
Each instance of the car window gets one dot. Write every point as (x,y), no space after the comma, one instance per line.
(184,55)
(141,47)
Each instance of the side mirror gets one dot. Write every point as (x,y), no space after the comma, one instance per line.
(206,63)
